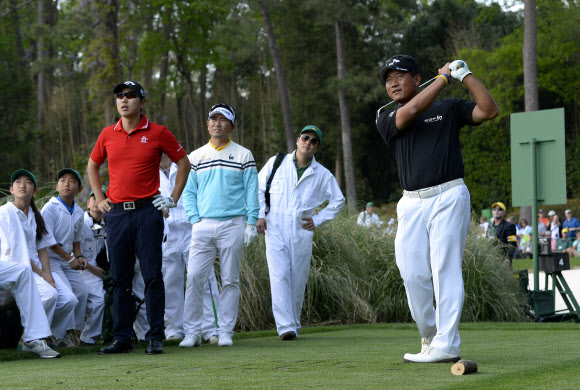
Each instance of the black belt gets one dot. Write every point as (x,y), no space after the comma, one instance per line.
(132,205)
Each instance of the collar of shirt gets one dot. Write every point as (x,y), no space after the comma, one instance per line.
(69,208)
(296,164)
(220,148)
(143,124)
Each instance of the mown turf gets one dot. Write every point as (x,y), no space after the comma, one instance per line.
(513,356)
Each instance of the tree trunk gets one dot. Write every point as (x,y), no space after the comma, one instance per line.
(280,77)
(338,163)
(347,156)
(40,80)
(530,48)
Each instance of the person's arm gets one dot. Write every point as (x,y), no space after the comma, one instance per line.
(335,202)
(422,101)
(190,198)
(486,108)
(183,169)
(263,175)
(250,178)
(96,185)
(79,255)
(45,264)
(70,259)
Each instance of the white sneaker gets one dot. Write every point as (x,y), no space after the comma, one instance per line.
(213,339)
(40,348)
(65,342)
(191,340)
(225,341)
(174,337)
(430,355)
(426,342)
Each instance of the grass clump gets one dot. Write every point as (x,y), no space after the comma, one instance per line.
(354,279)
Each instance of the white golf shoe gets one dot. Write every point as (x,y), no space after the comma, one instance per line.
(191,340)
(225,340)
(430,355)
(40,348)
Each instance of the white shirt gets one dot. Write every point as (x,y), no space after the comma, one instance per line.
(64,227)
(364,219)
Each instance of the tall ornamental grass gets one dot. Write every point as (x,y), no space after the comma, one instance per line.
(354,279)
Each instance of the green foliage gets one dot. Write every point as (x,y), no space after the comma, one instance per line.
(354,279)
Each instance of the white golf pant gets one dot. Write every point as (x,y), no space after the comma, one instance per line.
(75,282)
(95,308)
(141,324)
(19,279)
(429,244)
(210,237)
(63,316)
(288,254)
(175,257)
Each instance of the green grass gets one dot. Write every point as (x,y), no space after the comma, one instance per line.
(509,355)
(529,263)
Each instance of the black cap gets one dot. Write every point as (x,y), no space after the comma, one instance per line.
(133,85)
(401,62)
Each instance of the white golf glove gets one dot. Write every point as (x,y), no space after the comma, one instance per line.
(162,202)
(250,235)
(459,70)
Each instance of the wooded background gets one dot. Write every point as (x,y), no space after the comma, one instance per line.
(282,65)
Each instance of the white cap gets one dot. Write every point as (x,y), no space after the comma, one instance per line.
(551,213)
(568,211)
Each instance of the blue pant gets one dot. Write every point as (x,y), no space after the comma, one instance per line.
(136,232)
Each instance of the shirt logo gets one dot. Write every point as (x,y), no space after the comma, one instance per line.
(231,157)
(434,119)
(180,147)
(144,140)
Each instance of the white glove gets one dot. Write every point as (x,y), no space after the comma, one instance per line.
(162,202)
(459,70)
(250,235)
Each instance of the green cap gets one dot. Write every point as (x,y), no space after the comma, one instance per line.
(370,204)
(23,172)
(313,129)
(72,172)
(103,188)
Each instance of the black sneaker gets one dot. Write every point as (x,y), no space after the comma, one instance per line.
(288,336)
(118,346)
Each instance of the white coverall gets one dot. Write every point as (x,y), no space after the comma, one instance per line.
(17,278)
(364,219)
(288,244)
(20,246)
(91,246)
(67,229)
(175,257)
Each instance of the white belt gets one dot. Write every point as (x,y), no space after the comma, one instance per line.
(432,191)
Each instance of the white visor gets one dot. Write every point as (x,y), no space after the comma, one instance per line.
(224,111)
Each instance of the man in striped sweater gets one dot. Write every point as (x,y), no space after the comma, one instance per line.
(221,201)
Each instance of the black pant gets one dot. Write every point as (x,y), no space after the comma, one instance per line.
(136,232)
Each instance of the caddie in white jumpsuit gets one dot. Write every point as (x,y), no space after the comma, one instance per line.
(221,194)
(65,223)
(20,245)
(92,244)
(18,279)
(298,187)
(175,256)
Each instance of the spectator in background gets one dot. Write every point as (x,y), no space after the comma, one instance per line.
(511,219)
(555,228)
(571,223)
(524,232)
(574,250)
(483,224)
(501,229)
(542,218)
(368,217)
(391,227)
(564,242)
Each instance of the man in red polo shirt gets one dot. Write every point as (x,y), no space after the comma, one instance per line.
(133,217)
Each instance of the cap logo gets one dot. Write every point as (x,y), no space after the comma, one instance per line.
(129,83)
(393,62)
(225,112)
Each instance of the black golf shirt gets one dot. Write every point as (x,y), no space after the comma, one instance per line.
(427,151)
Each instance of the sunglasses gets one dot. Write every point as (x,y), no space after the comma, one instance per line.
(312,140)
(497,209)
(128,95)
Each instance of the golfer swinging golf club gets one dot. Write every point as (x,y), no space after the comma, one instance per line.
(434,212)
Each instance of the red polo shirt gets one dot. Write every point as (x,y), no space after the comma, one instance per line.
(134,158)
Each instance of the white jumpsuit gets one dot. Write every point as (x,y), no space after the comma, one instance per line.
(288,244)
(175,257)
(67,229)
(20,246)
(91,246)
